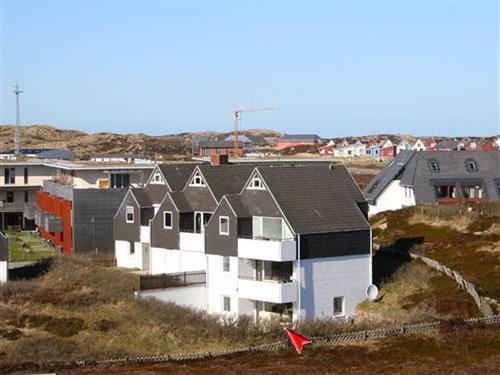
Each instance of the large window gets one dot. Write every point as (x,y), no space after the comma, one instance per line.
(338,306)
(10,176)
(445,191)
(224,225)
(473,192)
(273,228)
(120,180)
(167,220)
(129,214)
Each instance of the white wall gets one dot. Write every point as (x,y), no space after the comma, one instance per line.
(190,296)
(125,259)
(4,271)
(221,284)
(322,279)
(172,261)
(393,198)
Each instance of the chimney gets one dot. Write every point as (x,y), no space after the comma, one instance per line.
(219,159)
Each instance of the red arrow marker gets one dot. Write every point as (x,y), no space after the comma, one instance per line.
(297,340)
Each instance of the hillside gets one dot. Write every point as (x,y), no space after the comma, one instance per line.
(172,146)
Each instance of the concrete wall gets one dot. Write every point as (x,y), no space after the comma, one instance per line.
(127,260)
(172,261)
(85,179)
(393,198)
(190,296)
(325,278)
(221,284)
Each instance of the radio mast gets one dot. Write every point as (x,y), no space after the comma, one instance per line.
(17,131)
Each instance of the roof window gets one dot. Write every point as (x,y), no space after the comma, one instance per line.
(434,165)
(471,165)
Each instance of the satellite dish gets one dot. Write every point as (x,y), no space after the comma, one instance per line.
(372,292)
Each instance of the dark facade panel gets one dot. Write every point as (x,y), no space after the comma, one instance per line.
(93,212)
(161,237)
(4,248)
(217,244)
(334,244)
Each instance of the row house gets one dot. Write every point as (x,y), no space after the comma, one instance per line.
(294,140)
(482,145)
(275,241)
(353,149)
(387,149)
(75,207)
(403,146)
(424,144)
(328,149)
(451,177)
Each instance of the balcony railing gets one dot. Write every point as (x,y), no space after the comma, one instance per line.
(269,278)
(267,290)
(171,280)
(267,249)
(11,206)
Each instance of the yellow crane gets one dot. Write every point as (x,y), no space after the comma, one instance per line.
(236,113)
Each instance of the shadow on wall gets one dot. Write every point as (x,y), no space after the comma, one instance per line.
(385,263)
(30,271)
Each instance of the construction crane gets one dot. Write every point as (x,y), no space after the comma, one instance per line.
(237,113)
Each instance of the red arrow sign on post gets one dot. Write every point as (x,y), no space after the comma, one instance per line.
(297,340)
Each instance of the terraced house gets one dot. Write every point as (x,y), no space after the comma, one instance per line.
(438,177)
(282,242)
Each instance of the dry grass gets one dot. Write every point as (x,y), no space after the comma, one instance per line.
(465,242)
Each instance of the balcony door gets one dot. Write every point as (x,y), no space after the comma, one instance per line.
(200,220)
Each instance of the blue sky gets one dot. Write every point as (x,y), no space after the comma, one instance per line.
(334,68)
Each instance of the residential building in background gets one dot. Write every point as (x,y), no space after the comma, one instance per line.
(294,140)
(451,177)
(121,158)
(39,153)
(211,148)
(75,207)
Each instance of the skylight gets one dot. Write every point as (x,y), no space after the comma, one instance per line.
(434,165)
(471,165)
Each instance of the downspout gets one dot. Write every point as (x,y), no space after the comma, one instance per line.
(299,280)
(371,256)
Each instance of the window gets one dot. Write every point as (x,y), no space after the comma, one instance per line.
(224,225)
(226,264)
(121,180)
(434,165)
(226,303)
(10,176)
(473,192)
(25,175)
(256,183)
(200,221)
(471,165)
(338,306)
(156,178)
(131,248)
(26,196)
(10,197)
(197,180)
(167,219)
(130,214)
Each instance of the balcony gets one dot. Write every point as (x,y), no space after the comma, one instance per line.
(11,206)
(48,222)
(265,249)
(267,290)
(190,241)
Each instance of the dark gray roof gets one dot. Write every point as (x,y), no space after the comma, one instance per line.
(447,144)
(180,201)
(299,138)
(150,195)
(44,153)
(238,206)
(316,199)
(226,179)
(415,172)
(177,174)
(217,144)
(388,174)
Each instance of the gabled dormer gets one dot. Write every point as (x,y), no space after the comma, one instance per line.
(157,177)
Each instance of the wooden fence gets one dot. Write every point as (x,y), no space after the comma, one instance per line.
(148,282)
(481,303)
(274,346)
